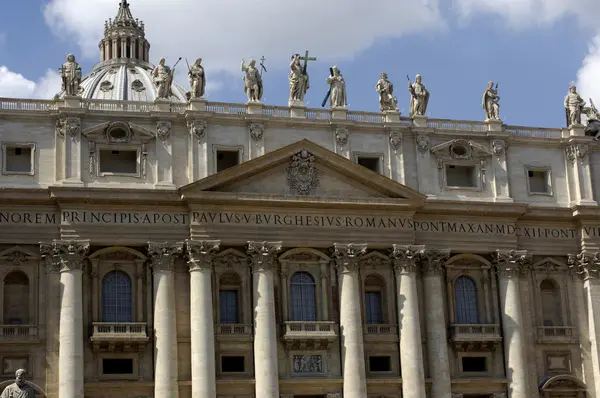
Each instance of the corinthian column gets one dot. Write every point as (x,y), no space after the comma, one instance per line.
(586,266)
(353,355)
(433,262)
(162,260)
(200,259)
(266,373)
(509,264)
(69,258)
(405,259)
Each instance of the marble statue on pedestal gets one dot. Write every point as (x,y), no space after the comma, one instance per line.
(299,81)
(573,107)
(70,72)
(419,97)
(253,85)
(197,79)
(162,76)
(337,90)
(19,389)
(491,102)
(385,88)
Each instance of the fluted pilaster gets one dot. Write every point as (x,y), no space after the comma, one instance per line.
(346,258)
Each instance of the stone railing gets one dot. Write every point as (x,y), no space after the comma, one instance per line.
(18,332)
(119,331)
(478,330)
(234,329)
(306,329)
(380,329)
(556,334)
(15,105)
(468,337)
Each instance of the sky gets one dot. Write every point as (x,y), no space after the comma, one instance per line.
(534,48)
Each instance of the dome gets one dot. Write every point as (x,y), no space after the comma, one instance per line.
(124,80)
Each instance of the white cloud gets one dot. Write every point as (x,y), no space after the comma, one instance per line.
(224,32)
(588,78)
(15,85)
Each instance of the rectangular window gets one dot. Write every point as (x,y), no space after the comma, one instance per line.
(370,162)
(117,366)
(373,306)
(227,159)
(461,176)
(228,303)
(538,181)
(474,364)
(232,364)
(380,364)
(18,159)
(118,161)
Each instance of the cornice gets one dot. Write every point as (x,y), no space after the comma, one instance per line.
(25,196)
(114,196)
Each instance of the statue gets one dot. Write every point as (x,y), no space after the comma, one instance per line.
(491,103)
(419,97)
(592,127)
(70,72)
(299,81)
(337,88)
(197,79)
(385,88)
(573,107)
(253,86)
(162,76)
(19,389)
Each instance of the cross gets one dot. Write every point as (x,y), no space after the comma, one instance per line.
(262,65)
(306,58)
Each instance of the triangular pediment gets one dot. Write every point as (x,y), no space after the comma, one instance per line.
(17,255)
(117,132)
(303,169)
(461,149)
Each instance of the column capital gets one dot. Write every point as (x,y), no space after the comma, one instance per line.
(263,255)
(63,256)
(406,258)
(433,261)
(511,263)
(200,254)
(585,265)
(346,256)
(162,255)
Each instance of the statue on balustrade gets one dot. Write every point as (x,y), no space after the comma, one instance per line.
(70,72)
(491,102)
(574,105)
(419,97)
(253,85)
(162,76)
(19,389)
(385,88)
(197,79)
(299,81)
(337,89)
(592,127)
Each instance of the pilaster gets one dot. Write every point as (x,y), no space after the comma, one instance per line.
(578,172)
(68,129)
(198,149)
(500,171)
(396,154)
(164,155)
(256,139)
(424,164)
(341,141)
(346,257)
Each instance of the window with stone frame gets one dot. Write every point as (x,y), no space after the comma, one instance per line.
(303,297)
(117,298)
(229,298)
(465,297)
(551,303)
(374,300)
(16,299)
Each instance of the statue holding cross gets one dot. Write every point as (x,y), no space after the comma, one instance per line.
(299,81)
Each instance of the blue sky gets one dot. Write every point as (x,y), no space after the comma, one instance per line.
(534,48)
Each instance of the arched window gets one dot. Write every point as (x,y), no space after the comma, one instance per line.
(16,299)
(374,288)
(117,298)
(465,295)
(303,297)
(551,303)
(229,298)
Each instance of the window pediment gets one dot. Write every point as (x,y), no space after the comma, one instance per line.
(16,256)
(461,149)
(118,133)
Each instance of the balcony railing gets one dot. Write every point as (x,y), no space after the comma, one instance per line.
(234,329)
(309,334)
(380,332)
(556,334)
(11,333)
(479,336)
(127,336)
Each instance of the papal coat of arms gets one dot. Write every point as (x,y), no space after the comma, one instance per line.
(302,174)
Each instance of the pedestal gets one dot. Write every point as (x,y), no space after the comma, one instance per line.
(197,105)
(494,125)
(392,116)
(339,113)
(297,109)
(72,101)
(419,121)
(162,105)
(254,108)
(576,130)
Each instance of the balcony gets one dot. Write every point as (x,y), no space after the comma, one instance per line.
(119,337)
(309,335)
(18,333)
(556,335)
(380,333)
(475,337)
(233,332)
